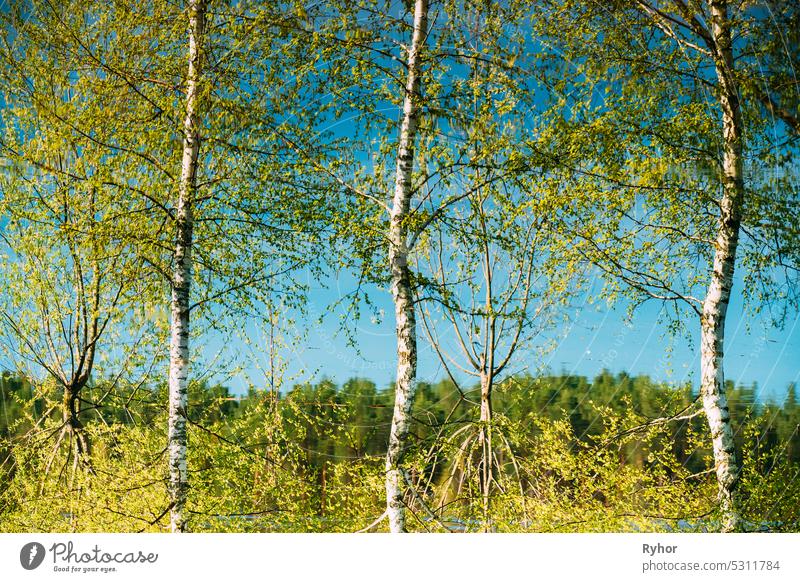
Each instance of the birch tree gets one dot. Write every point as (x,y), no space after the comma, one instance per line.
(67,290)
(413,64)
(496,301)
(399,224)
(384,232)
(670,136)
(71,274)
(402,291)
(251,240)
(182,274)
(490,263)
(218,226)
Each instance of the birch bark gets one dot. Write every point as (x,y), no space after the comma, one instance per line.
(402,293)
(717,297)
(182,276)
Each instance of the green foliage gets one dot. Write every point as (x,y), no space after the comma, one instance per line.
(551,135)
(124,491)
(571,455)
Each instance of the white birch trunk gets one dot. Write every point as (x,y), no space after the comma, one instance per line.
(402,293)
(182,277)
(717,297)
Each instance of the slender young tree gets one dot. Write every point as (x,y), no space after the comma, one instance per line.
(490,263)
(495,299)
(182,274)
(68,289)
(72,274)
(717,298)
(401,287)
(244,215)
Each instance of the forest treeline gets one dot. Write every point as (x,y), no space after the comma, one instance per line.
(361,403)
(177,175)
(325,443)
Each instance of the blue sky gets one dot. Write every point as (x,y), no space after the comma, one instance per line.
(597,337)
